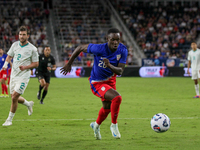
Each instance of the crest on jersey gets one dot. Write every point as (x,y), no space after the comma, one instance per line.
(118,56)
(49,59)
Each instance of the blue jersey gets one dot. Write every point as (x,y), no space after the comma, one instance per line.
(99,71)
(2,60)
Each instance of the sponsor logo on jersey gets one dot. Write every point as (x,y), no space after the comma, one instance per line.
(42,58)
(118,56)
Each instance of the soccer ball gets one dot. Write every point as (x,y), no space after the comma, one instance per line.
(160,122)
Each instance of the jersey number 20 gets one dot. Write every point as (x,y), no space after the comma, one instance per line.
(101,64)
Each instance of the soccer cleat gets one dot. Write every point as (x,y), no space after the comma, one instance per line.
(7,123)
(115,131)
(6,95)
(30,108)
(96,129)
(41,102)
(196,96)
(2,95)
(38,95)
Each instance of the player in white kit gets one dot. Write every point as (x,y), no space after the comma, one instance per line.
(25,57)
(194,62)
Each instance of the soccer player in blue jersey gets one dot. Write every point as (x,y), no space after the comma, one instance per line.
(3,75)
(109,61)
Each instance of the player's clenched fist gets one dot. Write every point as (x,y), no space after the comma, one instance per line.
(49,68)
(106,62)
(66,69)
(22,68)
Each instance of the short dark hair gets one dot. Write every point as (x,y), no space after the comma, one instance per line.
(194,42)
(113,30)
(46,46)
(24,28)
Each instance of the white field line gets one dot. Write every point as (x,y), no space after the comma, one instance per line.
(182,118)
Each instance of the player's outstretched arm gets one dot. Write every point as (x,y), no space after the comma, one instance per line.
(117,70)
(77,51)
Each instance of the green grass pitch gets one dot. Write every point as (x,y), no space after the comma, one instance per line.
(63,121)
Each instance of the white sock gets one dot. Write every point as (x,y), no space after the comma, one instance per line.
(113,124)
(197,89)
(10,116)
(26,103)
(96,124)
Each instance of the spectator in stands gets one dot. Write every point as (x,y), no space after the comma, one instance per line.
(169,30)
(156,61)
(88,62)
(47,15)
(45,41)
(130,59)
(22,14)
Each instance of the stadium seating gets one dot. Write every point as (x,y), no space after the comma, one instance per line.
(81,22)
(165,31)
(13,14)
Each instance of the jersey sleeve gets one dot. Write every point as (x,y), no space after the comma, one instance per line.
(35,56)
(189,58)
(11,50)
(123,56)
(94,49)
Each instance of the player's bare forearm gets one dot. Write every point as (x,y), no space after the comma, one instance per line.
(117,70)
(8,59)
(77,51)
(189,63)
(31,66)
(53,68)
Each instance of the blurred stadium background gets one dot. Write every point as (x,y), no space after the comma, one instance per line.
(157,34)
(152,30)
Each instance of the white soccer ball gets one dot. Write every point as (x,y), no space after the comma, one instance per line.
(160,122)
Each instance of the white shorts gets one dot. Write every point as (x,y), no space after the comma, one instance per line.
(18,85)
(195,74)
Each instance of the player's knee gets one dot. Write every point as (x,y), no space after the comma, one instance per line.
(106,104)
(110,94)
(46,86)
(43,84)
(2,81)
(14,98)
(196,81)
